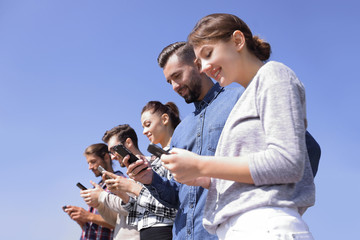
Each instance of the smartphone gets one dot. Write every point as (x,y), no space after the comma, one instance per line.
(101,169)
(123,151)
(82,187)
(156,150)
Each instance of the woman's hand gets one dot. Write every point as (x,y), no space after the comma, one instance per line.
(91,196)
(184,165)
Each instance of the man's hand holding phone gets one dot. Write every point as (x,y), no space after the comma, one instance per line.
(91,196)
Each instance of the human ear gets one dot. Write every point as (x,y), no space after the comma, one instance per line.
(165,118)
(239,39)
(107,160)
(128,143)
(197,63)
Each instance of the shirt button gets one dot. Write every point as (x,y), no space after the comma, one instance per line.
(188,232)
(191,205)
(198,134)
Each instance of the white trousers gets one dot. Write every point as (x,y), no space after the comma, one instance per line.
(266,223)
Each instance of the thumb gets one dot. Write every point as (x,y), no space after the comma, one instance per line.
(94,184)
(110,174)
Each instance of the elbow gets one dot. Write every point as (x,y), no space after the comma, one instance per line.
(294,169)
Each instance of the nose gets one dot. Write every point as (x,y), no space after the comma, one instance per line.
(205,67)
(175,86)
(112,156)
(145,131)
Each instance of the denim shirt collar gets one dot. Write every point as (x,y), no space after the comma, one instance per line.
(209,97)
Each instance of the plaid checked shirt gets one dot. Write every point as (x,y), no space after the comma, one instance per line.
(92,231)
(144,210)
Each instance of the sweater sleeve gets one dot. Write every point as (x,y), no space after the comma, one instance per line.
(112,202)
(107,214)
(280,100)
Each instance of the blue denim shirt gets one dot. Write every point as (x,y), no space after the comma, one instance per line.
(199,132)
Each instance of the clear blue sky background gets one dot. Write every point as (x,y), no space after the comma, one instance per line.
(71,69)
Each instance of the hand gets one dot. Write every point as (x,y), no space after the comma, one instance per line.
(184,165)
(91,196)
(108,175)
(118,183)
(78,214)
(140,170)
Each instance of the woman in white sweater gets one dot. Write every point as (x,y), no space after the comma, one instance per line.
(260,179)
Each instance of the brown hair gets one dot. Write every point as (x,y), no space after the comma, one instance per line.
(183,50)
(122,132)
(221,26)
(99,149)
(169,108)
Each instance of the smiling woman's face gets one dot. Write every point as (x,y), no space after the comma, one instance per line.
(219,60)
(154,128)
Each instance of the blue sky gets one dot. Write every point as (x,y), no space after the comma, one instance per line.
(71,69)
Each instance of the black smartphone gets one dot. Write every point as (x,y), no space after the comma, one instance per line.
(82,187)
(123,151)
(156,150)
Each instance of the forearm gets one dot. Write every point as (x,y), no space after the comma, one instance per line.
(231,168)
(113,202)
(97,219)
(165,191)
(107,214)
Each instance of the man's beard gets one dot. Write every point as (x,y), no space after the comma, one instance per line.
(194,89)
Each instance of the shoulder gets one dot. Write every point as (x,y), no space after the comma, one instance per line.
(188,119)
(276,70)
(275,73)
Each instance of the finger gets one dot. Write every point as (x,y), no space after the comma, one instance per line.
(166,165)
(126,160)
(94,184)
(109,174)
(85,191)
(174,150)
(139,173)
(139,169)
(84,195)
(165,159)
(69,208)
(109,182)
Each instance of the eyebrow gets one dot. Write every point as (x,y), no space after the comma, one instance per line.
(174,73)
(172,76)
